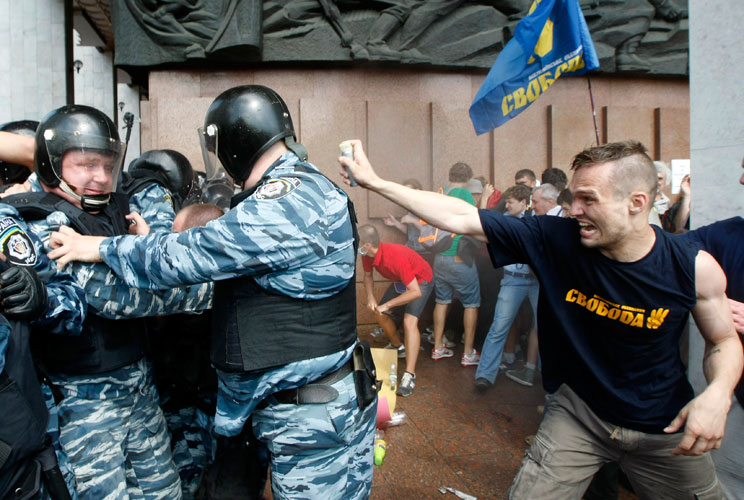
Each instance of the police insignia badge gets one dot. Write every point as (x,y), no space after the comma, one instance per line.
(276,188)
(15,243)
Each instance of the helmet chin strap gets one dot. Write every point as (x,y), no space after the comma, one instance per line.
(296,148)
(89,203)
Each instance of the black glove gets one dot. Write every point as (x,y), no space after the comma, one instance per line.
(22,293)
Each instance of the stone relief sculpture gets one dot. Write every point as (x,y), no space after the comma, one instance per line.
(618,28)
(151,32)
(640,36)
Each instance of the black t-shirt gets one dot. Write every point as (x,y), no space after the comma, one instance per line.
(724,241)
(608,329)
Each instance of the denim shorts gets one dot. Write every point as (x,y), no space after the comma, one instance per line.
(414,308)
(453,278)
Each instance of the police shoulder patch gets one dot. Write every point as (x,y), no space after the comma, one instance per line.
(276,188)
(15,244)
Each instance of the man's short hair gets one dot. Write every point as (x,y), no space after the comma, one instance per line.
(525,172)
(548,191)
(518,192)
(566,196)
(556,177)
(633,170)
(460,172)
(368,234)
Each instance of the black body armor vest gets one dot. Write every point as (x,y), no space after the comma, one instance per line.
(254,329)
(23,413)
(104,344)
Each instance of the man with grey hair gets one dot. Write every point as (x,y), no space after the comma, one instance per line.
(611,357)
(664,179)
(545,200)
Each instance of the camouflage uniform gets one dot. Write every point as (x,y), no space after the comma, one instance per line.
(111,427)
(293,235)
(64,315)
(193,445)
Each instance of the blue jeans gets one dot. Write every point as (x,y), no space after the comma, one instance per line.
(513,291)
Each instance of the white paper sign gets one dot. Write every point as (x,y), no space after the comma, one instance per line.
(680,168)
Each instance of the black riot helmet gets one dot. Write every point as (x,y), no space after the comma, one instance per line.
(241,124)
(93,136)
(12,173)
(173,168)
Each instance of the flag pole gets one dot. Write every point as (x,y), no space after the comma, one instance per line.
(594,111)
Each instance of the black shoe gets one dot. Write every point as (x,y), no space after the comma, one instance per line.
(482,385)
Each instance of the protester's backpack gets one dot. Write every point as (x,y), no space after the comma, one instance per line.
(433,239)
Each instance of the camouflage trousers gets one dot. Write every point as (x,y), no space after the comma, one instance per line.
(118,448)
(319,450)
(193,445)
(53,433)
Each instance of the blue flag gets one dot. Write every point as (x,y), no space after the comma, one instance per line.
(551,41)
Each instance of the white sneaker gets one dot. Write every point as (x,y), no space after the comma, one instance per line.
(401,349)
(407,383)
(437,354)
(471,359)
(445,341)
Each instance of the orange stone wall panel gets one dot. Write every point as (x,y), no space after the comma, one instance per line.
(626,123)
(452,143)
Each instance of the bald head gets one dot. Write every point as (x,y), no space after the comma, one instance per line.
(368,234)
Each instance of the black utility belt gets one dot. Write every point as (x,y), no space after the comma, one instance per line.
(520,275)
(317,391)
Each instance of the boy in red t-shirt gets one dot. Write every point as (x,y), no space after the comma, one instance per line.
(412,285)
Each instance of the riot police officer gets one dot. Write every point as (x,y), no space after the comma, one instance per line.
(26,302)
(168,168)
(108,399)
(284,328)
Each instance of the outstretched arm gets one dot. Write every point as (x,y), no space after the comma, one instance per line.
(17,148)
(704,418)
(446,212)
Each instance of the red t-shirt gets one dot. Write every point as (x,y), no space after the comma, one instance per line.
(398,263)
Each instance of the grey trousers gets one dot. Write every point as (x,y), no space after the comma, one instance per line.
(572,443)
(730,457)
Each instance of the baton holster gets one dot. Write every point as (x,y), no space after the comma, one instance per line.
(365,375)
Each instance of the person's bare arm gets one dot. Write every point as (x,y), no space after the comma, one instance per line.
(704,418)
(413,292)
(16,148)
(392,221)
(685,197)
(446,212)
(488,190)
(371,302)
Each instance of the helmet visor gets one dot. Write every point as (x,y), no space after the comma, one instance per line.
(210,143)
(89,163)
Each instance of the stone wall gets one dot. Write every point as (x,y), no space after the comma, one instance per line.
(416,123)
(32,58)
